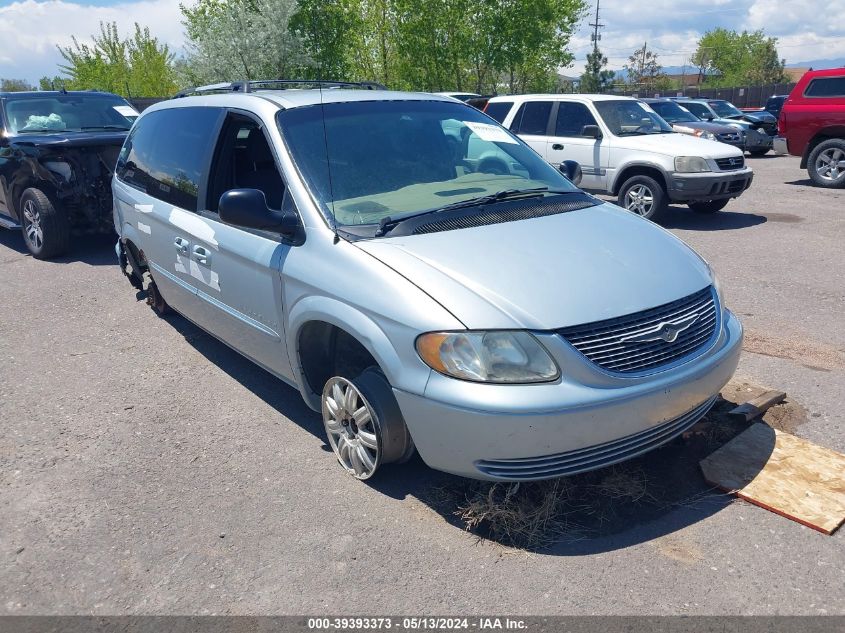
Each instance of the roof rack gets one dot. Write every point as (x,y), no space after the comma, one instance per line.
(276,84)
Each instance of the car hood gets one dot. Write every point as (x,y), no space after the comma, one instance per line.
(550,272)
(676,144)
(757,118)
(71,139)
(714,128)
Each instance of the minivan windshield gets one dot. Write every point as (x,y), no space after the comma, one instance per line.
(725,109)
(68,113)
(631,118)
(673,113)
(371,161)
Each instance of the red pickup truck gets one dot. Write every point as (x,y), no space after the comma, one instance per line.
(812,126)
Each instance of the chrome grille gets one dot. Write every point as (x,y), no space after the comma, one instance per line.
(594,457)
(728,164)
(650,339)
(730,137)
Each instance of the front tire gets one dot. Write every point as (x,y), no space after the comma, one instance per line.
(759,151)
(45,228)
(364,424)
(826,164)
(708,206)
(644,196)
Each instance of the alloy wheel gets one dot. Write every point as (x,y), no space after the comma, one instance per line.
(639,199)
(830,164)
(350,425)
(32,225)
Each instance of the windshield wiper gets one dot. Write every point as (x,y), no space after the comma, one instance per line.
(389,223)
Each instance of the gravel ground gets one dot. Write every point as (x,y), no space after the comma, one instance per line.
(146,468)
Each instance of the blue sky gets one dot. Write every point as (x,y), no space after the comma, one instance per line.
(807,29)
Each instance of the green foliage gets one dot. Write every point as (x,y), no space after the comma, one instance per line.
(241,39)
(728,58)
(596,77)
(14,85)
(478,45)
(644,71)
(138,66)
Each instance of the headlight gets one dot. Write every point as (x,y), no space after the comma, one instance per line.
(498,357)
(708,135)
(687,164)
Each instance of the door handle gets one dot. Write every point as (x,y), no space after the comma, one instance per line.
(557,146)
(202,255)
(181,245)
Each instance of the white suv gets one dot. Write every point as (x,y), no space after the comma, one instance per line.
(626,149)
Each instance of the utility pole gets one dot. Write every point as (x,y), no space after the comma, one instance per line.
(596,26)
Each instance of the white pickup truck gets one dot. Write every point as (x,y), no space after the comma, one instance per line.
(626,149)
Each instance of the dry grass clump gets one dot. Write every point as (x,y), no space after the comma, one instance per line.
(526,515)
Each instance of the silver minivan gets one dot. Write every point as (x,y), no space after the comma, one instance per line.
(501,322)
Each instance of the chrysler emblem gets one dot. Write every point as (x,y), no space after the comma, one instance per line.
(666,331)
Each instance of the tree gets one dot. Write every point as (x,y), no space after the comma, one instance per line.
(139,66)
(644,71)
(596,77)
(325,27)
(242,39)
(15,85)
(728,58)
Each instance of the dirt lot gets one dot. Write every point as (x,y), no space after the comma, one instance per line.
(146,468)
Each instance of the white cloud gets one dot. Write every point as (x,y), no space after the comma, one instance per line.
(31,30)
(805,30)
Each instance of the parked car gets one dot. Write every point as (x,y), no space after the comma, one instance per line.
(507,325)
(685,122)
(812,126)
(625,149)
(57,156)
(774,104)
(759,128)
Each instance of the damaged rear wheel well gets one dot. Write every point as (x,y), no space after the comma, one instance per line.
(326,350)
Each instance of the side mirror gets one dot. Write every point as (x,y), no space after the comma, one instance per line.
(591,131)
(247,208)
(708,117)
(572,170)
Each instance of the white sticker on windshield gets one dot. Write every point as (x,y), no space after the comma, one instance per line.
(126,110)
(488,132)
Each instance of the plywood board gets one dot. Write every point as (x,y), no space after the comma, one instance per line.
(782,473)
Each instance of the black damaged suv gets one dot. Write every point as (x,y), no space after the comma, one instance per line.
(57,156)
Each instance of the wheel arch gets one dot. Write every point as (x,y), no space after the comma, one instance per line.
(639,169)
(315,325)
(825,134)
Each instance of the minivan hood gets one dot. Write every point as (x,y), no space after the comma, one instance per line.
(676,144)
(546,273)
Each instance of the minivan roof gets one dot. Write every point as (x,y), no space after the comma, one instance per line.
(295,98)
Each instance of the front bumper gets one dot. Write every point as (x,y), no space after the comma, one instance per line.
(708,186)
(587,420)
(780,146)
(755,140)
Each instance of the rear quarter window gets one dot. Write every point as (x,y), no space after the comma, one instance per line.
(167,153)
(826,87)
(498,110)
(532,118)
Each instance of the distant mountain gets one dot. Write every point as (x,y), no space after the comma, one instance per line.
(819,64)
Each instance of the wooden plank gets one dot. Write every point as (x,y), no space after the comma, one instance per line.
(782,473)
(756,407)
